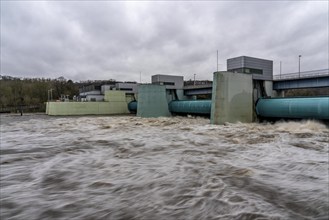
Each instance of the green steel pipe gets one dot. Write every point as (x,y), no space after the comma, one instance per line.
(202,107)
(294,108)
(132,106)
(186,107)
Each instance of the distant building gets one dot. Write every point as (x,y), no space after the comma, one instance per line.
(171,82)
(128,87)
(93,95)
(106,87)
(89,88)
(95,92)
(260,69)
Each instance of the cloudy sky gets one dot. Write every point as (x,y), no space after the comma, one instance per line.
(118,40)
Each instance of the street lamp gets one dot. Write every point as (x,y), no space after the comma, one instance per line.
(217,60)
(299,56)
(50,95)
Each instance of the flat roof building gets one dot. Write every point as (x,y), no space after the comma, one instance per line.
(170,81)
(260,69)
(128,87)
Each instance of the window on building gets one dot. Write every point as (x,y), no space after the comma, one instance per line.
(247,70)
(126,89)
(169,83)
(255,71)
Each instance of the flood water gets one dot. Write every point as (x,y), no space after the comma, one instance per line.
(165,168)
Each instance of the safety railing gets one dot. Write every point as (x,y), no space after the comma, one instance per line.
(304,74)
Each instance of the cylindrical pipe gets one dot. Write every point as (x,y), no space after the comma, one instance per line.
(132,106)
(202,107)
(294,108)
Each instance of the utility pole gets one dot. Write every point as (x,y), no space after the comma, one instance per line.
(194,79)
(140,77)
(299,56)
(217,60)
(50,95)
(280,69)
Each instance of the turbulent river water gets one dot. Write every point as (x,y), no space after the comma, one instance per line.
(161,168)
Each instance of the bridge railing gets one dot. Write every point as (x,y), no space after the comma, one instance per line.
(304,74)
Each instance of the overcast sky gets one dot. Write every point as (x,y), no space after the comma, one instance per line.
(118,40)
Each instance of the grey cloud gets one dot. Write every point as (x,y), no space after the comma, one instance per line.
(103,40)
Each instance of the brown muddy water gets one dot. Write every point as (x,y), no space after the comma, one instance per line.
(164,168)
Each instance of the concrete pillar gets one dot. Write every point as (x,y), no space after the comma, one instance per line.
(232,98)
(152,101)
(269,88)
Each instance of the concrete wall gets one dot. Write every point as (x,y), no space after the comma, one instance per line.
(152,101)
(86,108)
(181,96)
(116,103)
(232,98)
(115,96)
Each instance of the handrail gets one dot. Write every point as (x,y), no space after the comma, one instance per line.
(304,74)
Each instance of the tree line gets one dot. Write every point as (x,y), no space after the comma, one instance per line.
(17,92)
(33,93)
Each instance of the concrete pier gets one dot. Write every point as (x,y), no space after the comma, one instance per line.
(152,101)
(232,98)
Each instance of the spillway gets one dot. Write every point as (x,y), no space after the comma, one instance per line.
(294,108)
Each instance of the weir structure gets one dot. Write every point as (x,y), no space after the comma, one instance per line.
(244,93)
(233,93)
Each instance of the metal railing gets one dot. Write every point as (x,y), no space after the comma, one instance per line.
(305,74)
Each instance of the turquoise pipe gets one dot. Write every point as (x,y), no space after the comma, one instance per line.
(132,106)
(202,107)
(299,108)
(185,107)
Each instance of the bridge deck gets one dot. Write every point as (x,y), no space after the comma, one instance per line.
(302,80)
(198,89)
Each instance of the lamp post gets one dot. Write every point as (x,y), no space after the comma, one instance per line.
(50,95)
(299,56)
(217,60)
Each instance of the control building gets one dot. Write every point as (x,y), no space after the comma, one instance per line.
(260,69)
(170,81)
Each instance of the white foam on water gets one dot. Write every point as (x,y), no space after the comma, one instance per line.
(162,168)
